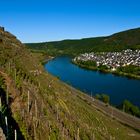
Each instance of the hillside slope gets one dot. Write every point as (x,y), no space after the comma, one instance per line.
(40,107)
(129,39)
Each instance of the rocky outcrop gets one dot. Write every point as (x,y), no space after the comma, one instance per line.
(2,28)
(9,39)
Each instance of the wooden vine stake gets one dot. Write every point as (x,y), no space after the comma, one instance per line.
(0,104)
(93,137)
(34,132)
(15,134)
(7,96)
(78,134)
(6,122)
(63,132)
(49,130)
(9,68)
(57,111)
(35,109)
(15,75)
(28,101)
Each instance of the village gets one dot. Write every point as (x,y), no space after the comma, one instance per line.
(112,60)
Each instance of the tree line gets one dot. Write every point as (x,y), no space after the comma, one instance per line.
(125,106)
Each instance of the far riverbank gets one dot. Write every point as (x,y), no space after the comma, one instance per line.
(128,75)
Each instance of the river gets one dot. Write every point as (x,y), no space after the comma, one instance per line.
(94,82)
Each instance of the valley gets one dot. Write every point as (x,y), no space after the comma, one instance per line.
(43,107)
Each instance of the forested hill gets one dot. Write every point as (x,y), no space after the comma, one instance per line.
(129,39)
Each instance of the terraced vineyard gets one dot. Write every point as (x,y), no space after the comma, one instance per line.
(38,106)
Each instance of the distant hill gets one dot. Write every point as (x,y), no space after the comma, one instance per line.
(129,39)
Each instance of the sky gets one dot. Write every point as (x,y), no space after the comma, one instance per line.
(50,20)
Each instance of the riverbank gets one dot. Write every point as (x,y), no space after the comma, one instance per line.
(118,73)
(94,82)
(46,60)
(110,111)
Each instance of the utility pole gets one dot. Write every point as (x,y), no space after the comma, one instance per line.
(112,112)
(91,94)
(123,107)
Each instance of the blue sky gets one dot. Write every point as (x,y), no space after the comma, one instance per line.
(47,20)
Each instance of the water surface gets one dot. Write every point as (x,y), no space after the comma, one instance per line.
(93,82)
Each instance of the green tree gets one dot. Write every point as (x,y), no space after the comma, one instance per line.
(105,98)
(130,108)
(98,96)
(126,106)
